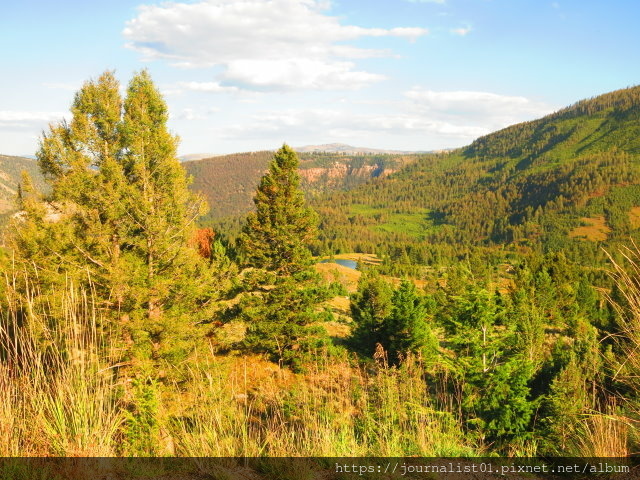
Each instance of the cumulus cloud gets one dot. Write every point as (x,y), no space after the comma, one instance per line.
(262,44)
(488,110)
(298,73)
(18,119)
(347,124)
(445,119)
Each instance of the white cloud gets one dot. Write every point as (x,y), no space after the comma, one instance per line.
(190,114)
(171,91)
(489,110)
(263,44)
(346,124)
(209,87)
(441,119)
(197,113)
(21,119)
(462,31)
(298,73)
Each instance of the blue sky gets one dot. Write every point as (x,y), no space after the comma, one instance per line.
(242,75)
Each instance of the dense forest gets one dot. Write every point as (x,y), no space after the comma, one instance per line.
(532,184)
(493,311)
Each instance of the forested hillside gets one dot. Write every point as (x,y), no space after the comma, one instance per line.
(558,182)
(494,310)
(228,181)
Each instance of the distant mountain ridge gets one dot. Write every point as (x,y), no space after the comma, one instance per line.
(349,149)
(229,181)
(325,148)
(196,156)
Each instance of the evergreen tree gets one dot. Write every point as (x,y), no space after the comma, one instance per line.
(407,326)
(281,320)
(276,236)
(161,209)
(488,366)
(563,408)
(370,307)
(119,216)
(503,403)
(274,243)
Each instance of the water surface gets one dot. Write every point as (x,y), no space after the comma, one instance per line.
(345,263)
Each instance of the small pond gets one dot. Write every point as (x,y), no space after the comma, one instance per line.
(345,263)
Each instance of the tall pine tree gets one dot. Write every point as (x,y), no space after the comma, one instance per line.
(119,216)
(370,309)
(409,329)
(274,243)
(276,236)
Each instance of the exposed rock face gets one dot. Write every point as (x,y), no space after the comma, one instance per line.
(336,174)
(229,182)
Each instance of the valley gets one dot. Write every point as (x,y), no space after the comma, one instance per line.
(476,301)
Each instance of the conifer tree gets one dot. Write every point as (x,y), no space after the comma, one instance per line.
(371,306)
(407,325)
(276,236)
(395,319)
(119,216)
(274,243)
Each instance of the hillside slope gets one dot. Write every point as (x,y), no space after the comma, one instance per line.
(10,170)
(229,181)
(535,182)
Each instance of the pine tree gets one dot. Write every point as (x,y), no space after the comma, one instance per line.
(503,404)
(276,236)
(119,217)
(489,368)
(407,325)
(286,289)
(371,306)
(160,207)
(563,408)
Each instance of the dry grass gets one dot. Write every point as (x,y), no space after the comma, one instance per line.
(57,394)
(56,379)
(634,217)
(334,272)
(251,407)
(595,230)
(604,435)
(368,258)
(615,427)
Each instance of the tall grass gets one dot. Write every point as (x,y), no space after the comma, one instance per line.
(60,395)
(334,409)
(613,432)
(57,380)
(604,435)
(57,394)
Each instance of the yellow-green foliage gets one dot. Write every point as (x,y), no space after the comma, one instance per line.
(66,388)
